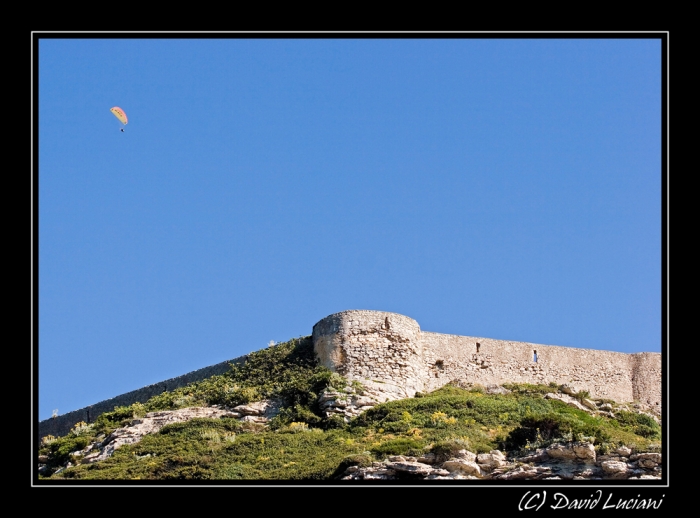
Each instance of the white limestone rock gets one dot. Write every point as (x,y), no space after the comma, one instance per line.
(569,401)
(463,466)
(465,455)
(623,451)
(584,451)
(614,468)
(265,408)
(492,460)
(525,472)
(577,451)
(428,458)
(152,422)
(411,468)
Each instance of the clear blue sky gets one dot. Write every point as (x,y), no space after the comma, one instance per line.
(508,189)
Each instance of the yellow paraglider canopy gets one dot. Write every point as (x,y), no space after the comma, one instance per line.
(119,114)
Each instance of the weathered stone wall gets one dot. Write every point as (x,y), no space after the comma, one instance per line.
(391,350)
(646,378)
(604,373)
(372,347)
(389,353)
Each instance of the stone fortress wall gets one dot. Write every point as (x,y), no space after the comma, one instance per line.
(392,354)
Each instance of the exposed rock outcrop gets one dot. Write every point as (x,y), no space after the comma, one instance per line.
(259,412)
(349,402)
(570,461)
(575,460)
(394,358)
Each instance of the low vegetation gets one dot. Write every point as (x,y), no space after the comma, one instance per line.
(301,443)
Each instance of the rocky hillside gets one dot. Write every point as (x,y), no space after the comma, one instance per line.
(281,416)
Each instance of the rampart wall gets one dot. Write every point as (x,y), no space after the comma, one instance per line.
(390,351)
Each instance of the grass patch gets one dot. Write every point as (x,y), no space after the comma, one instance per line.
(302,444)
(196,450)
(288,372)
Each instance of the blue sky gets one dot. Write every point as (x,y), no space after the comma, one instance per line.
(502,188)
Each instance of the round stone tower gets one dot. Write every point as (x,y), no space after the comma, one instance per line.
(379,349)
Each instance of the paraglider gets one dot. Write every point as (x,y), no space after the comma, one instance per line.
(121,115)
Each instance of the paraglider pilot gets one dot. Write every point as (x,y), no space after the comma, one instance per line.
(119,114)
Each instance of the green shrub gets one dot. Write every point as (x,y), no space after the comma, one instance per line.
(59,450)
(108,421)
(530,388)
(401,446)
(449,448)
(360,459)
(397,427)
(534,430)
(453,390)
(582,394)
(446,420)
(640,424)
(334,422)
(565,424)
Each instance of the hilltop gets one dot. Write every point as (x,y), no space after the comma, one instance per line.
(282,416)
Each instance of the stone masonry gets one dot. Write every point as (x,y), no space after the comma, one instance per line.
(394,359)
(389,352)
